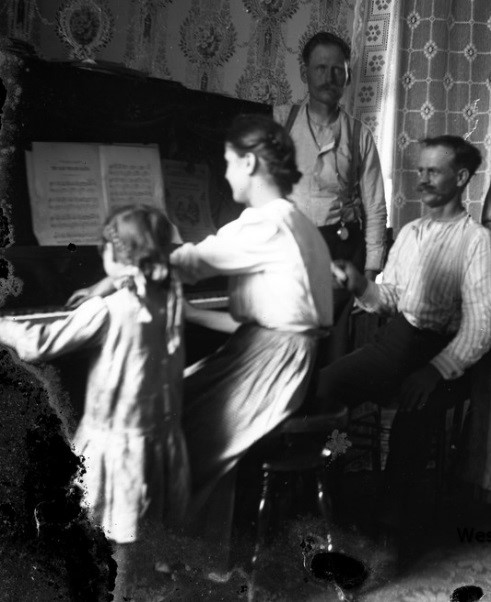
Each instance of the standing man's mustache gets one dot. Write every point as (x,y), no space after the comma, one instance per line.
(424,188)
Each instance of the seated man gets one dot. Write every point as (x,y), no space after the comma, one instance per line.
(437,285)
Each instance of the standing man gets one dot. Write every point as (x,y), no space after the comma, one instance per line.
(341,190)
(437,285)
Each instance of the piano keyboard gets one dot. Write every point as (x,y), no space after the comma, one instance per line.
(36,316)
(39,315)
(208,302)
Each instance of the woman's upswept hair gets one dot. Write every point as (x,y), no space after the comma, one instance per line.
(269,141)
(141,236)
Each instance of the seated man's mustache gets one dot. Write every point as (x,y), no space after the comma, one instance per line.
(424,188)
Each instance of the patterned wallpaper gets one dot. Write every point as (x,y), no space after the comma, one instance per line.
(246,48)
(419,66)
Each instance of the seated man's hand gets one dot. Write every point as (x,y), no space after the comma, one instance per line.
(417,388)
(349,277)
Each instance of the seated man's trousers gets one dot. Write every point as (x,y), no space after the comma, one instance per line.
(375,373)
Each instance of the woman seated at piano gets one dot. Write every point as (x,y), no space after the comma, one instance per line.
(280,301)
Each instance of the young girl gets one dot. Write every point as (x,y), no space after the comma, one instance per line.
(130,434)
(280,298)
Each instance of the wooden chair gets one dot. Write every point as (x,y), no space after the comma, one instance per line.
(301,452)
(446,449)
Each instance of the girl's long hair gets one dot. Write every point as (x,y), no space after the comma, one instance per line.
(141,236)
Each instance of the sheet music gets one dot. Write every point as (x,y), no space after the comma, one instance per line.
(67,201)
(74,186)
(132,175)
(186,199)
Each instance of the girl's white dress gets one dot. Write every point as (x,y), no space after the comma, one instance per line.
(136,468)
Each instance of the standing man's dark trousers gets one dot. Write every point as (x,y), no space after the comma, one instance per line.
(375,373)
(353,249)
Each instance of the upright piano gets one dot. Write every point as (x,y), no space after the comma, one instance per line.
(103,103)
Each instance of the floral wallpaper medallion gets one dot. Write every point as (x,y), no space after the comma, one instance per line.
(208,39)
(264,78)
(265,85)
(280,10)
(147,37)
(18,20)
(85,26)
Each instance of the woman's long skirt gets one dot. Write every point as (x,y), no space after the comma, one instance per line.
(239,394)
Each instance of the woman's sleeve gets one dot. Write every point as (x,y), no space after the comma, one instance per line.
(241,248)
(84,326)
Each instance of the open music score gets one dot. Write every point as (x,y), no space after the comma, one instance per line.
(73,186)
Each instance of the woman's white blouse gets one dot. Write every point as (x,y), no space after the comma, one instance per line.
(278,263)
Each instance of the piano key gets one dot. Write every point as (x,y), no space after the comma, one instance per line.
(36,317)
(214,302)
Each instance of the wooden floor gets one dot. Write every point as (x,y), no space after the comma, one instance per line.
(438,556)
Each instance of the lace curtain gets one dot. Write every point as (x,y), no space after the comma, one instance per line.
(375,68)
(443,87)
(421,68)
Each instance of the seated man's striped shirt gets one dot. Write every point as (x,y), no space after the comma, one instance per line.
(438,275)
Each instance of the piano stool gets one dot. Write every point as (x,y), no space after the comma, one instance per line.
(301,449)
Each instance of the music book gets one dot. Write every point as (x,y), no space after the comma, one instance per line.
(186,198)
(74,186)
